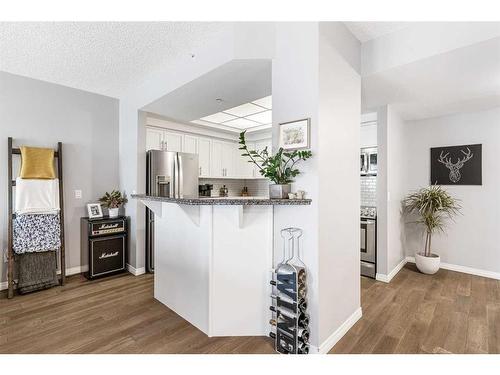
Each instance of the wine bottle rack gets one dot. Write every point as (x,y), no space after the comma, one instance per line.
(290,320)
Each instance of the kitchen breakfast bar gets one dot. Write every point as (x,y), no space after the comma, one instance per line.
(213,258)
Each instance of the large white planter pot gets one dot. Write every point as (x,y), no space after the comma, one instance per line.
(113,212)
(428,265)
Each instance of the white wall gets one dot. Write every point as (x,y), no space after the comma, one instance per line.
(471,241)
(312,79)
(37,113)
(390,189)
(295,96)
(339,198)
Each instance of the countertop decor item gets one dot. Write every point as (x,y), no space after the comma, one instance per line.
(279,168)
(434,206)
(223,191)
(113,201)
(295,135)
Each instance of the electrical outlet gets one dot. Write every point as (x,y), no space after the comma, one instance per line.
(78,194)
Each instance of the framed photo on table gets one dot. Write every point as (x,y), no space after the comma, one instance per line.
(94,210)
(295,135)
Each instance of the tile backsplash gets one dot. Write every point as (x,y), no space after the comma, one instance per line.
(368,190)
(256,188)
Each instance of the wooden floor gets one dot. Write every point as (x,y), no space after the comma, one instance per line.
(117,315)
(415,313)
(449,312)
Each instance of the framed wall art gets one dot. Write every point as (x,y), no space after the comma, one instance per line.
(295,135)
(456,165)
(94,210)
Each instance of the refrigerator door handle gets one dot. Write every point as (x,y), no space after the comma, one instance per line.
(180,177)
(173,180)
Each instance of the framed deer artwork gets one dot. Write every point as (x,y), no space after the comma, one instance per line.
(456,165)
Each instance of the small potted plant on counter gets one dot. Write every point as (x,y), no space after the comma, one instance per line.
(434,206)
(279,168)
(113,201)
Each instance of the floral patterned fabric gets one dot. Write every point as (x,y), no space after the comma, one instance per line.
(35,233)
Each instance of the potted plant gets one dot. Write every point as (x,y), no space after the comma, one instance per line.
(279,168)
(434,206)
(113,201)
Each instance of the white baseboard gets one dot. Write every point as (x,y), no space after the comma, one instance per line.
(464,269)
(76,270)
(136,271)
(387,278)
(335,337)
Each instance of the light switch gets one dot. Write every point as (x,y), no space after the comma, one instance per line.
(78,194)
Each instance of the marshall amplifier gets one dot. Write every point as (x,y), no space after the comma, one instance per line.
(104,245)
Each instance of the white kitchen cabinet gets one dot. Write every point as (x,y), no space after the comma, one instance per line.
(223,159)
(154,139)
(190,144)
(204,154)
(173,141)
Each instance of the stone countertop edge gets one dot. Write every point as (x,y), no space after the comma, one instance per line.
(226,201)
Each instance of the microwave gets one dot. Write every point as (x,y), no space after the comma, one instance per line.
(368,161)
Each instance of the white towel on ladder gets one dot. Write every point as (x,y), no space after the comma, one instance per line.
(37,196)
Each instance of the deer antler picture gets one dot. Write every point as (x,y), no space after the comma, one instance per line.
(455,167)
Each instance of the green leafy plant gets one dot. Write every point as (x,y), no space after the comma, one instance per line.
(434,206)
(114,199)
(279,168)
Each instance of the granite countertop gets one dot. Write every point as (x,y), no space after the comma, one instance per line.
(228,201)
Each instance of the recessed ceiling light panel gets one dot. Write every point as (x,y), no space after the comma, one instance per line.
(241,123)
(244,110)
(218,117)
(263,117)
(266,102)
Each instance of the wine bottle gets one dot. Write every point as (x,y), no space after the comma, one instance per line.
(301,277)
(303,335)
(303,321)
(302,292)
(302,348)
(273,322)
(272,335)
(302,305)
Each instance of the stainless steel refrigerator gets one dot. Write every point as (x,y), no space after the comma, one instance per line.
(168,174)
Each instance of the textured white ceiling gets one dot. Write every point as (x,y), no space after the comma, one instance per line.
(366,31)
(101,57)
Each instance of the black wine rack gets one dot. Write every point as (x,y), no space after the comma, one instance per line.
(290,320)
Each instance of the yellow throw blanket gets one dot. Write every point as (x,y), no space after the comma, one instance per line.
(37,163)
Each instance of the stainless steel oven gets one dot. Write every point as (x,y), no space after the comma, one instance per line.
(368,242)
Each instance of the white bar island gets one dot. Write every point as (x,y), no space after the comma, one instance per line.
(212,261)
